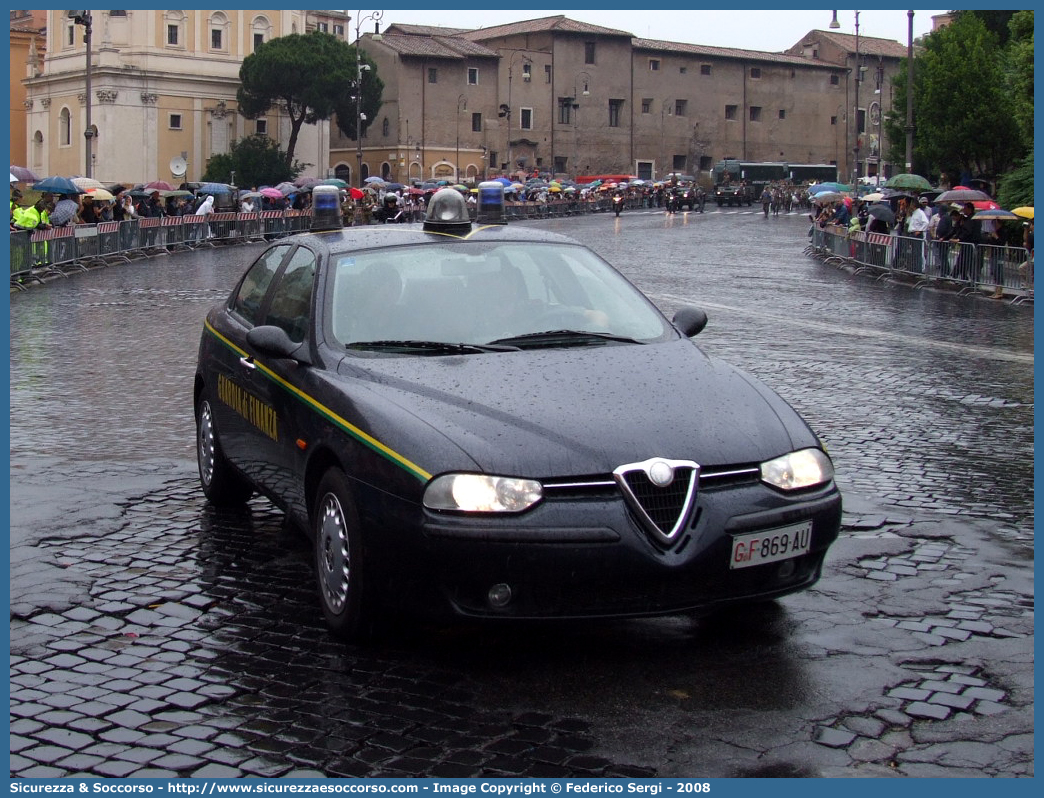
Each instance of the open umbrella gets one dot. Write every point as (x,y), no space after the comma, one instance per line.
(160,185)
(179,192)
(819,187)
(13,178)
(301,182)
(996,213)
(56,185)
(100,194)
(64,211)
(986,205)
(211,188)
(874,197)
(333,181)
(827,196)
(1025,211)
(882,212)
(374,179)
(84,183)
(505,181)
(250,195)
(908,181)
(357,193)
(286,188)
(271,193)
(962,194)
(23,175)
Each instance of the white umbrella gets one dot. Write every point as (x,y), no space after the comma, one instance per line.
(14,179)
(84,183)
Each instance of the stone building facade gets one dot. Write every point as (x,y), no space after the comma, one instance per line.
(553,95)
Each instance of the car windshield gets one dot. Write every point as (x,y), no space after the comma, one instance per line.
(510,294)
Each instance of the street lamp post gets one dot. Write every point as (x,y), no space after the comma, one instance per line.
(876,114)
(360,68)
(84,18)
(664,106)
(586,78)
(909,92)
(509,108)
(462,105)
(858,79)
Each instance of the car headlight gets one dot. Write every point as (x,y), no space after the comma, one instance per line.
(802,469)
(481,493)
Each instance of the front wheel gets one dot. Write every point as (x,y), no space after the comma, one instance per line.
(340,566)
(221,483)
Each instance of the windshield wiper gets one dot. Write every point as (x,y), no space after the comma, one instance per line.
(432,347)
(568,337)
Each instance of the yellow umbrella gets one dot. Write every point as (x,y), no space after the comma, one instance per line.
(100,194)
(1026,211)
(555,189)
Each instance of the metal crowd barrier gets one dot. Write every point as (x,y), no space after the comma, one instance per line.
(966,267)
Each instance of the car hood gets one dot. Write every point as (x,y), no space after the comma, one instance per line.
(576,411)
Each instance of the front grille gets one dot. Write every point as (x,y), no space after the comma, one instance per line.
(663,506)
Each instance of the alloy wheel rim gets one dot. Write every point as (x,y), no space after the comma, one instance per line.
(206,444)
(333,559)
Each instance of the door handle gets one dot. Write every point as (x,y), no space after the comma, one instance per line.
(248,362)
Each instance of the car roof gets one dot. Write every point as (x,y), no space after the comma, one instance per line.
(392,235)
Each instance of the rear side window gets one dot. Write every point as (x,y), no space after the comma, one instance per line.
(251,293)
(291,303)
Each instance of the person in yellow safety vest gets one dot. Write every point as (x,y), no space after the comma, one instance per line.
(16,209)
(35,217)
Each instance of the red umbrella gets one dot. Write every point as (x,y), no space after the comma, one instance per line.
(159,185)
(356,193)
(986,205)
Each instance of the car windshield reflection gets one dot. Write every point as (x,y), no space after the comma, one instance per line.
(412,300)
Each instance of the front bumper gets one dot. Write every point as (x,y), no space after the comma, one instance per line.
(589,558)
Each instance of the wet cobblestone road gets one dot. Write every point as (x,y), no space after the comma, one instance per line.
(154,636)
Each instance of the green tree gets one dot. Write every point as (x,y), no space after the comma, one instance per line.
(963,109)
(309,77)
(255,161)
(1020,72)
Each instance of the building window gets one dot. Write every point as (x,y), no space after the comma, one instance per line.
(755,72)
(615,111)
(678,163)
(339,30)
(385,127)
(589,52)
(117,13)
(833,120)
(646,105)
(172,35)
(64,128)
(433,75)
(782,114)
(684,70)
(218,23)
(70,34)
(525,119)
(215,39)
(476,123)
(755,113)
(261,127)
(680,107)
(322,27)
(175,121)
(565,110)
(705,69)
(175,21)
(472,76)
(835,80)
(706,162)
(730,111)
(547,73)
(527,71)
(259,39)
(654,64)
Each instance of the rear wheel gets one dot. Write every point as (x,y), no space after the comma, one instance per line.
(340,560)
(221,483)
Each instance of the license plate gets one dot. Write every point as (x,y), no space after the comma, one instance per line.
(771,545)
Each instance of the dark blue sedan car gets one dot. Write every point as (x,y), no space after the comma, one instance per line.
(492,422)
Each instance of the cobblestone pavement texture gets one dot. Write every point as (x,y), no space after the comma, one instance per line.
(152,635)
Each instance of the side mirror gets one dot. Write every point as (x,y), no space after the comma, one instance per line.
(689,321)
(274,342)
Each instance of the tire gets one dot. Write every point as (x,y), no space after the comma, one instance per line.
(340,563)
(222,484)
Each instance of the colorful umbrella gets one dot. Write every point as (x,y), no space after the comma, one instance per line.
(64,211)
(1025,211)
(908,181)
(56,185)
(101,194)
(271,193)
(209,188)
(333,181)
(286,188)
(996,213)
(161,185)
(23,175)
(356,193)
(85,183)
